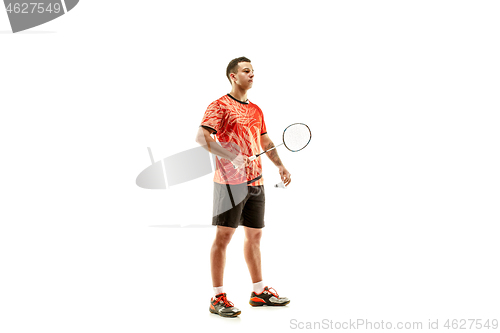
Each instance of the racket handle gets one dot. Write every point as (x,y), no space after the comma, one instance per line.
(255,156)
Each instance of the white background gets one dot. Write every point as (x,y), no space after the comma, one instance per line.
(392,213)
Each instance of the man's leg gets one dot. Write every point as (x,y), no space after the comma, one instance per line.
(218,254)
(252,253)
(264,295)
(219,304)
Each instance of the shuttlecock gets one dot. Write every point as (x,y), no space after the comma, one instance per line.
(280,185)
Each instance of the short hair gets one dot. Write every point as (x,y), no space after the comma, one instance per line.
(233,67)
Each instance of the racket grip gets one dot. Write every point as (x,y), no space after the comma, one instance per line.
(251,158)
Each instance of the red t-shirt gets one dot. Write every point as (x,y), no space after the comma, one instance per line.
(238,127)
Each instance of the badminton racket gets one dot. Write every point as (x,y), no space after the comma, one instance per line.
(295,137)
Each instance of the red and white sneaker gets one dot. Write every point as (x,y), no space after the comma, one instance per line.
(268,297)
(221,306)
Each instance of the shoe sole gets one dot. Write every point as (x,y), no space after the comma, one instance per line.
(272,304)
(225,316)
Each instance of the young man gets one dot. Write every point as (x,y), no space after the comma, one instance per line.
(239,196)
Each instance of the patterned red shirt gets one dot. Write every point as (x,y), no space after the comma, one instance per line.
(238,127)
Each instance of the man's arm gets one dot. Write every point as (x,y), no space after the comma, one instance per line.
(266,143)
(204,138)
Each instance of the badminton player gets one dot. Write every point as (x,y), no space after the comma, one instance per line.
(240,130)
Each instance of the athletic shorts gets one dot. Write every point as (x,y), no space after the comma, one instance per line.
(238,205)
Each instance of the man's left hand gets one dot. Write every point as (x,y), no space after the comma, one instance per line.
(285,175)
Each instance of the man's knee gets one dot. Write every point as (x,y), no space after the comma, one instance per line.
(224,235)
(253,235)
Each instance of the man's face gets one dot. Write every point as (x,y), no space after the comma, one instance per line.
(244,77)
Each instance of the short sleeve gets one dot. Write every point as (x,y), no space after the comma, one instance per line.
(263,129)
(213,117)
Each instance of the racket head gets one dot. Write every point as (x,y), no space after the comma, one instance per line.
(297,136)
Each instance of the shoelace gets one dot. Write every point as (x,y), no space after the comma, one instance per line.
(224,299)
(275,293)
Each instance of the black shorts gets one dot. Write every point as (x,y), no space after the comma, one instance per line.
(239,205)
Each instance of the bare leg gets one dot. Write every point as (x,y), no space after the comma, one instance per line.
(218,254)
(252,253)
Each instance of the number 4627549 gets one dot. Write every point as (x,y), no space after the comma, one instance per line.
(32,8)
(470,324)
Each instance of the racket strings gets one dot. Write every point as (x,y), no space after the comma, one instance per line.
(297,137)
